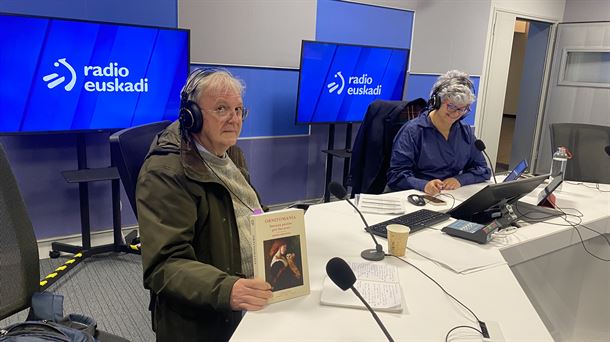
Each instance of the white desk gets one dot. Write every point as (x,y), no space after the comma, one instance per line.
(333,229)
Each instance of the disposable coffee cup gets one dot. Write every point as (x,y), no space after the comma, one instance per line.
(397,239)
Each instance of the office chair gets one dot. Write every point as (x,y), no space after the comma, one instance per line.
(19,264)
(373,145)
(128,148)
(19,259)
(589,162)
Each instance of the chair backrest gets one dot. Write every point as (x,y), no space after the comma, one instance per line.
(589,162)
(373,144)
(128,149)
(19,262)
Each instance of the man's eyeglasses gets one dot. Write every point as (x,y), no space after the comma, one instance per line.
(224,112)
(451,108)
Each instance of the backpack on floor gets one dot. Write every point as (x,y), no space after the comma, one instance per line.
(45,323)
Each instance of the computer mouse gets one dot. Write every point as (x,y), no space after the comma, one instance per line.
(416,200)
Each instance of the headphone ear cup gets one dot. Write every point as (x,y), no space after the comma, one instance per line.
(191,117)
(434,102)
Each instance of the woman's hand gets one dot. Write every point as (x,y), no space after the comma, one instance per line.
(433,187)
(451,184)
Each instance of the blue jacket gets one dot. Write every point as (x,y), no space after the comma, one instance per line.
(420,153)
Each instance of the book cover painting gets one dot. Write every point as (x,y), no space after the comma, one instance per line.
(280,252)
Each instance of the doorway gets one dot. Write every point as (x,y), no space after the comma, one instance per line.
(523,94)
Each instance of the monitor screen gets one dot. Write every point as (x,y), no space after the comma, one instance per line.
(337,82)
(517,171)
(63,75)
(481,206)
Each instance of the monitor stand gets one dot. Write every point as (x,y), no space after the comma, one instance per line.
(508,214)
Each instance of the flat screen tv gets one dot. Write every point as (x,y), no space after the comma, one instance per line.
(61,75)
(337,82)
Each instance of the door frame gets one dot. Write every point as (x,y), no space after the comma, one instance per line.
(487,124)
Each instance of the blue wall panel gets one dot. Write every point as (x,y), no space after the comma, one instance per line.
(271,98)
(345,22)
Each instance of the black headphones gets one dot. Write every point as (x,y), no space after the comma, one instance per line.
(191,116)
(435,101)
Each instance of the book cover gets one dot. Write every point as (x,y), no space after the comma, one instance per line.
(279,250)
(377,283)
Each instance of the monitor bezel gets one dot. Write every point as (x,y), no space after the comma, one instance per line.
(95,130)
(493,195)
(303,42)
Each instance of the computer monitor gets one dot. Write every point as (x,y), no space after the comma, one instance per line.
(66,75)
(337,82)
(488,204)
(517,171)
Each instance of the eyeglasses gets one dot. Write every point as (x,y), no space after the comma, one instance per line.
(224,112)
(451,108)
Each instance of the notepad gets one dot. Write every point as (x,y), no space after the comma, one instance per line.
(380,204)
(377,283)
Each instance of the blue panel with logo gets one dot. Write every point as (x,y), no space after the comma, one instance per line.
(67,75)
(338,81)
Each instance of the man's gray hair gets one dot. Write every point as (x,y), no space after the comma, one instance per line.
(216,80)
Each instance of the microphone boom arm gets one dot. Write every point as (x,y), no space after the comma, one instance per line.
(385,331)
(377,245)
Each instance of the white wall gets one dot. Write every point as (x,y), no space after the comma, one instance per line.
(586,10)
(256,33)
(446,35)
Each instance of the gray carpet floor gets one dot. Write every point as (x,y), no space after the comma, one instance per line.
(107,287)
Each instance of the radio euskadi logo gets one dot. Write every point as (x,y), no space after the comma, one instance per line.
(356,85)
(99,78)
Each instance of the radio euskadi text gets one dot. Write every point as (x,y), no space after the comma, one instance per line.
(365,88)
(113,85)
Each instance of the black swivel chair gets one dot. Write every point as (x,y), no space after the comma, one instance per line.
(373,145)
(19,266)
(589,162)
(128,149)
(19,259)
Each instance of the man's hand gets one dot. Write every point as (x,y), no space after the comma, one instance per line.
(433,187)
(451,184)
(250,294)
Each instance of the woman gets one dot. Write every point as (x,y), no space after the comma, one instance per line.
(436,150)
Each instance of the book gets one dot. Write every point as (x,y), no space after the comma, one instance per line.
(377,283)
(279,249)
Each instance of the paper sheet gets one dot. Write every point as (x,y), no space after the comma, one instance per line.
(459,255)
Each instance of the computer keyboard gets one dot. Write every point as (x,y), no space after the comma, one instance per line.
(416,220)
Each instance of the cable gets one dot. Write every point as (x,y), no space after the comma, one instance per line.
(574,225)
(596,187)
(447,293)
(461,326)
(448,195)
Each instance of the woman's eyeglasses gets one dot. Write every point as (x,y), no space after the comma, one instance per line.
(451,108)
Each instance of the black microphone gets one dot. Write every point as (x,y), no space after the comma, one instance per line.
(480,145)
(342,275)
(368,254)
(607,149)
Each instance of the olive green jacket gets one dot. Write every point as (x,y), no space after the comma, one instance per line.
(190,243)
